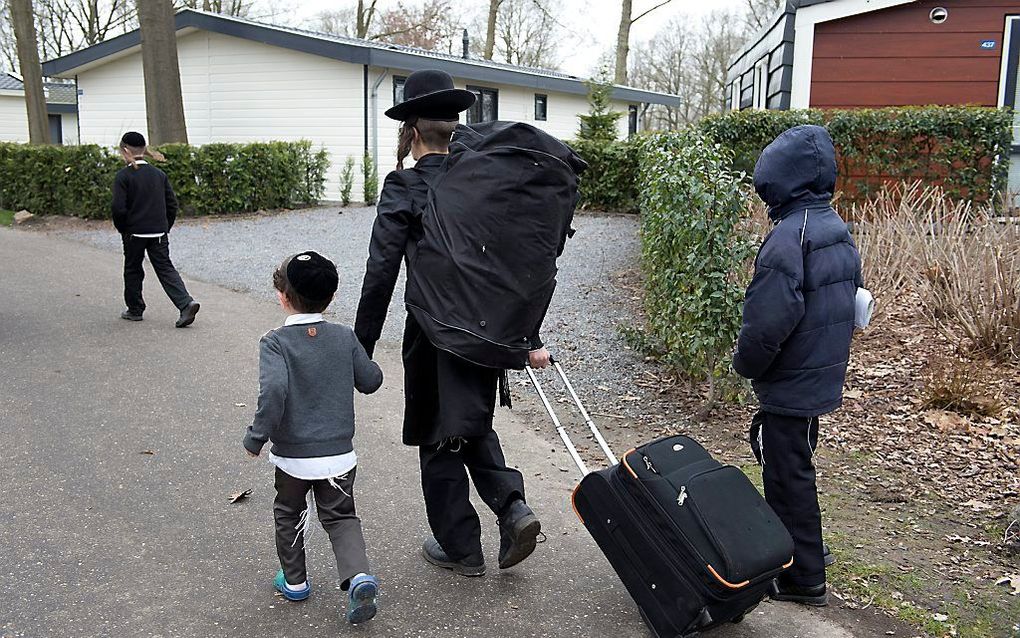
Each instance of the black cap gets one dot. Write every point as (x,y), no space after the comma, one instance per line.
(430,95)
(312,276)
(132,138)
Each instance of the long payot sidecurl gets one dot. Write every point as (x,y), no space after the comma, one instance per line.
(404,141)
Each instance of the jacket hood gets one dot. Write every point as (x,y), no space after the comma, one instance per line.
(798,168)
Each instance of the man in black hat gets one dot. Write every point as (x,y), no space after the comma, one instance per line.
(449,401)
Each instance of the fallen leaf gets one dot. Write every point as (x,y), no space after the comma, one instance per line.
(1013,581)
(239,405)
(940,617)
(149,452)
(240,496)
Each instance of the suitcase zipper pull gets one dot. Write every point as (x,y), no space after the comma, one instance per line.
(648,464)
(682,496)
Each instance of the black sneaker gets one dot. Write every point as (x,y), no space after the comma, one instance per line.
(131,316)
(188,314)
(433,553)
(518,534)
(827,555)
(812,596)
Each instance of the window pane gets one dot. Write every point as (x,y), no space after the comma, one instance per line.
(398,89)
(540,107)
(489,106)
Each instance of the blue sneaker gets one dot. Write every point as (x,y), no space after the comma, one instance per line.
(362,607)
(290,594)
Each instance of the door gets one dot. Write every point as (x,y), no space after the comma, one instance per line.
(56,129)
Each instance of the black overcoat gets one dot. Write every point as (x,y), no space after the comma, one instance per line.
(444,395)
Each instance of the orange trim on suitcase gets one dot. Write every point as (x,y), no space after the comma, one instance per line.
(787,566)
(573,505)
(626,464)
(726,582)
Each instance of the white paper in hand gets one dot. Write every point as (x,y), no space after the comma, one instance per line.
(865,307)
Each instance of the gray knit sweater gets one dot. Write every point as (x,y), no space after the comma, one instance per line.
(307,377)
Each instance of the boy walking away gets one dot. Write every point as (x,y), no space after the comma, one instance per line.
(308,371)
(794,344)
(144,210)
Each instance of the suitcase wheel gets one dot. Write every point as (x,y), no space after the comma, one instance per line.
(738,619)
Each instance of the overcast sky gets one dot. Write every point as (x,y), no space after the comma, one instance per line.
(591,24)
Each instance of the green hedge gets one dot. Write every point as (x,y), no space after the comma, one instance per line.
(694,251)
(215,178)
(954,146)
(611,181)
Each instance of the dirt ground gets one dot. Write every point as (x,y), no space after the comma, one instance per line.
(917,500)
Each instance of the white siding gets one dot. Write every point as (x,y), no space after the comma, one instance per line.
(236,90)
(13,118)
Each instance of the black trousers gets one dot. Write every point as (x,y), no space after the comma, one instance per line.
(444,481)
(335,504)
(158,249)
(784,446)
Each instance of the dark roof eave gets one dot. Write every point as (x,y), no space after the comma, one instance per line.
(350,53)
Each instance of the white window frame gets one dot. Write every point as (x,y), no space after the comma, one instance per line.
(735,95)
(761,76)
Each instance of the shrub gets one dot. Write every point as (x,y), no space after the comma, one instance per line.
(370,177)
(66,180)
(599,124)
(611,181)
(958,147)
(694,252)
(215,178)
(346,181)
(961,385)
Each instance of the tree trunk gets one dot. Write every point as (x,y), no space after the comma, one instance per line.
(490,28)
(364,18)
(31,72)
(623,42)
(164,103)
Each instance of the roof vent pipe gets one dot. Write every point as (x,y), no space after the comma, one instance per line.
(465,41)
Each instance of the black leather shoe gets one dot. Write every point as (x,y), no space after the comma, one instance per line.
(812,596)
(433,553)
(518,534)
(827,555)
(130,316)
(188,314)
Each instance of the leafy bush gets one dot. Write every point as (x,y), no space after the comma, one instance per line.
(955,146)
(694,252)
(611,181)
(67,180)
(346,181)
(215,178)
(370,177)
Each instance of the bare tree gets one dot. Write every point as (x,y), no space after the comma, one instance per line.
(69,25)
(721,37)
(164,103)
(528,33)
(759,12)
(429,25)
(490,28)
(627,20)
(365,16)
(31,72)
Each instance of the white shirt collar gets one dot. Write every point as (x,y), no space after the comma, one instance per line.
(298,319)
(140,161)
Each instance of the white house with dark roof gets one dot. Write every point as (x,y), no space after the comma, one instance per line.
(247,81)
(61,109)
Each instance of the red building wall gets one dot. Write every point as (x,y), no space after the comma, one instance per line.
(898,57)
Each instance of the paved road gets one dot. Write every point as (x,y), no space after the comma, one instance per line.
(100,538)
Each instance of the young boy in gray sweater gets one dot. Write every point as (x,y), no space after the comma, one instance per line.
(308,371)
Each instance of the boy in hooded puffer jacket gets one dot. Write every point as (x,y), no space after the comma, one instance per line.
(794,344)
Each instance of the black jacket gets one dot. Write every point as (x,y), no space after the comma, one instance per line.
(143,201)
(799,308)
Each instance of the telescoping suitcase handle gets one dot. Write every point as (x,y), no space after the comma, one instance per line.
(559,426)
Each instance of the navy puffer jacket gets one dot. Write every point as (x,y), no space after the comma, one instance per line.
(799,309)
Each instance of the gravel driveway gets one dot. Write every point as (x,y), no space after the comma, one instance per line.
(241,254)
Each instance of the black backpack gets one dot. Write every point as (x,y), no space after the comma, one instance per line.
(497,216)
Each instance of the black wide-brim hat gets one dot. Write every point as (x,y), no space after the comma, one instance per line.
(430,95)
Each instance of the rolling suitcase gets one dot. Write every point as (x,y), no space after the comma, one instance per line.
(693,541)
